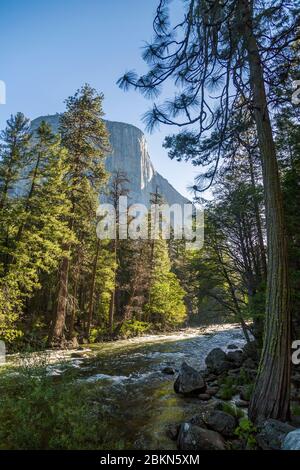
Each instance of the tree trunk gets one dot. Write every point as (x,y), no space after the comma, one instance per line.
(74,309)
(271,397)
(57,332)
(113,294)
(92,293)
(258,221)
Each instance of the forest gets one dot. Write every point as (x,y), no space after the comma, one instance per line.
(234,115)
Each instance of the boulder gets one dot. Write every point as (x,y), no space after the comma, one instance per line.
(77,355)
(236,357)
(251,350)
(198,420)
(168,370)
(189,381)
(232,346)
(292,440)
(212,391)
(245,392)
(204,396)
(217,362)
(192,437)
(250,364)
(221,422)
(242,403)
(172,431)
(272,434)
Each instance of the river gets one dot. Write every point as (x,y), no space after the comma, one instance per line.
(138,398)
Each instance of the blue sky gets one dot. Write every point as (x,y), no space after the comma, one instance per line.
(50,48)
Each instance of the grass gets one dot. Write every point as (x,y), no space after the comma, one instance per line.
(42,412)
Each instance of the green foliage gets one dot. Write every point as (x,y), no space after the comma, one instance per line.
(231,409)
(247,432)
(166,305)
(243,378)
(228,388)
(295,409)
(38,413)
(131,328)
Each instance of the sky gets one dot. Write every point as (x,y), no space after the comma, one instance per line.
(51,48)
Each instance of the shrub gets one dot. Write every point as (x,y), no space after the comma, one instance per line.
(246,431)
(232,410)
(131,328)
(37,412)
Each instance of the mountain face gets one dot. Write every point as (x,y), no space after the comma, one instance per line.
(130,155)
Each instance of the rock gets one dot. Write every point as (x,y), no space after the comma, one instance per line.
(251,350)
(168,370)
(130,155)
(217,362)
(242,404)
(198,421)
(251,373)
(78,355)
(221,422)
(232,346)
(250,364)
(192,437)
(272,434)
(211,377)
(204,396)
(236,357)
(245,392)
(212,391)
(292,440)
(172,431)
(189,381)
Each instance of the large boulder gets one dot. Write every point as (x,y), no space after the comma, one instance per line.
(272,434)
(192,437)
(221,422)
(236,357)
(189,381)
(292,440)
(172,431)
(251,350)
(168,370)
(217,362)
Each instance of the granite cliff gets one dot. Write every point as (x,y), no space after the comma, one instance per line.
(130,155)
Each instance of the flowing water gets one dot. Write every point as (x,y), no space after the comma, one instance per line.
(137,397)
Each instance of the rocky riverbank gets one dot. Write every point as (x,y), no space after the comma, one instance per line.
(224,390)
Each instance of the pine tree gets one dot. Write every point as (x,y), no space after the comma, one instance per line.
(85,137)
(221,48)
(40,237)
(165,307)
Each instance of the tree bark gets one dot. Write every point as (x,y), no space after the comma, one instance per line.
(113,294)
(58,326)
(258,221)
(271,397)
(92,293)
